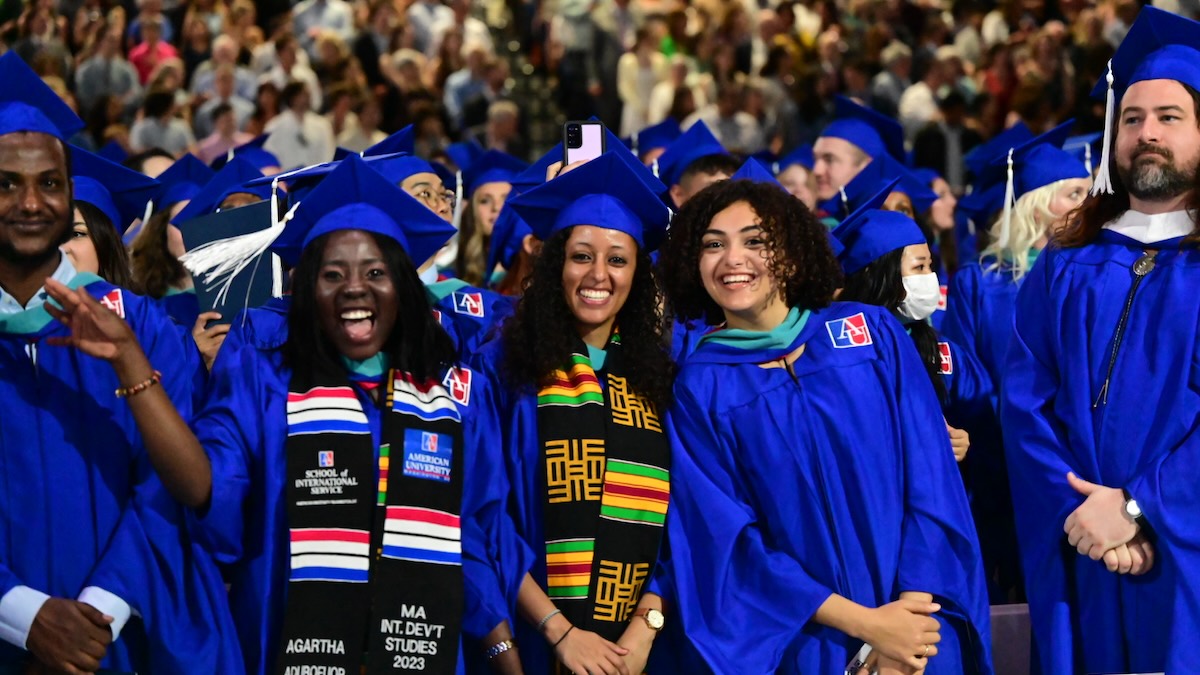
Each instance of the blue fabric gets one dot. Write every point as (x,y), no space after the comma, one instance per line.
(837,479)
(28,104)
(183,307)
(472,316)
(1142,439)
(874,133)
(753,170)
(243,428)
(82,506)
(1160,45)
(867,236)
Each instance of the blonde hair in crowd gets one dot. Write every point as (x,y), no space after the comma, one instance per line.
(1031,220)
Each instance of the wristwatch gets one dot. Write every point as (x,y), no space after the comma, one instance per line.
(1132,511)
(654,618)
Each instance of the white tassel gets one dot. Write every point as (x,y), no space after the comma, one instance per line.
(634,143)
(654,168)
(845,199)
(276,276)
(1087,158)
(1006,223)
(229,155)
(148,212)
(458,200)
(1103,182)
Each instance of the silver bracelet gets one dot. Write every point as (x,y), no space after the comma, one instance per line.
(542,623)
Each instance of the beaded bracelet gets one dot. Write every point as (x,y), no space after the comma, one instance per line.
(499,648)
(126,392)
(551,615)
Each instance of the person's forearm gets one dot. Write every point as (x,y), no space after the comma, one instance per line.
(173,450)
(535,606)
(507,662)
(842,615)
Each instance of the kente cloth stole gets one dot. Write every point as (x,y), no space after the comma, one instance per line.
(375,573)
(606,479)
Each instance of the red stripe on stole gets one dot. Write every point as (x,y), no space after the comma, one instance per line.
(569,568)
(631,491)
(351,536)
(423,516)
(322,392)
(569,383)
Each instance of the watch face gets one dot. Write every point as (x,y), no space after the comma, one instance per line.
(1132,508)
(655,619)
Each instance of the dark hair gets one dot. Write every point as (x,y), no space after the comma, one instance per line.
(880,284)
(1085,222)
(416,344)
(218,110)
(709,165)
(541,336)
(110,251)
(291,90)
(138,162)
(158,103)
(800,256)
(155,269)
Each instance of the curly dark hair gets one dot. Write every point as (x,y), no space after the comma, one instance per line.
(798,246)
(880,284)
(541,336)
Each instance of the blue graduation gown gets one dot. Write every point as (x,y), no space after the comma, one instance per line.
(1143,438)
(839,479)
(471,316)
(182,306)
(82,506)
(519,448)
(243,428)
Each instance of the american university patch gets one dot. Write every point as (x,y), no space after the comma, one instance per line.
(458,383)
(851,331)
(470,304)
(947,358)
(115,302)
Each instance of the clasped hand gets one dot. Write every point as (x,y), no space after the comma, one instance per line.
(1100,530)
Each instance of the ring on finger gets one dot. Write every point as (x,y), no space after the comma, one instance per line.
(926,652)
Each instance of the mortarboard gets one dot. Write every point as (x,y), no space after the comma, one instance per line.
(182,180)
(1036,163)
(874,133)
(870,232)
(253,152)
(119,192)
(918,191)
(1159,46)
(982,156)
(231,179)
(925,175)
(356,197)
(695,143)
(113,152)
(802,155)
(606,192)
(28,104)
(508,236)
(1086,148)
(753,170)
(655,136)
(464,153)
(401,141)
(252,286)
(872,178)
(491,167)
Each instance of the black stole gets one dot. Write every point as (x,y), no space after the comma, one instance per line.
(376,556)
(606,475)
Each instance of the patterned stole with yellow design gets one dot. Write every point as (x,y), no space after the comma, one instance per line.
(606,472)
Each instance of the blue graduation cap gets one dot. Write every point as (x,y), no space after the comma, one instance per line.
(982,203)
(1036,163)
(870,232)
(119,192)
(231,179)
(982,156)
(28,104)
(253,152)
(655,136)
(925,175)
(605,192)
(695,143)
(918,191)
(997,168)
(464,153)
(802,155)
(508,236)
(401,141)
(491,167)
(182,180)
(871,178)
(1086,148)
(874,133)
(354,196)
(753,170)
(113,152)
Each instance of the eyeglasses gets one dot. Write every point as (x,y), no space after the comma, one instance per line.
(433,198)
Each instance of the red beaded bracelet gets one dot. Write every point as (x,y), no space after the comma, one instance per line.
(126,392)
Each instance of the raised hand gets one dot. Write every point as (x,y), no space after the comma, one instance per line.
(95,329)
(209,340)
(69,636)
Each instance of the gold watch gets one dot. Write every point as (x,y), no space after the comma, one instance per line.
(653,618)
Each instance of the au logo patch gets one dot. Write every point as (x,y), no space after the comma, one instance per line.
(458,383)
(947,358)
(325,458)
(428,455)
(437,316)
(115,302)
(470,304)
(851,331)
(943,293)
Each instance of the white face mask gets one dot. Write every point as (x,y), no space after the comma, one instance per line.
(922,292)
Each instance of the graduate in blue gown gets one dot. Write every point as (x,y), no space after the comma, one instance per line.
(1099,406)
(816,502)
(1046,186)
(580,374)
(96,570)
(849,145)
(280,440)
(486,184)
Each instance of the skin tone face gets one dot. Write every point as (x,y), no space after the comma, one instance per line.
(35,204)
(899,202)
(1158,145)
(487,201)
(239,199)
(693,184)
(356,295)
(734,267)
(79,249)
(1066,198)
(428,188)
(596,278)
(837,162)
(649,156)
(154,166)
(916,259)
(941,214)
(800,184)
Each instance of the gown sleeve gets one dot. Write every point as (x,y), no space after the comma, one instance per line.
(970,391)
(725,575)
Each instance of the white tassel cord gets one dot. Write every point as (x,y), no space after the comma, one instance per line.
(1006,222)
(845,200)
(1087,157)
(458,200)
(1103,182)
